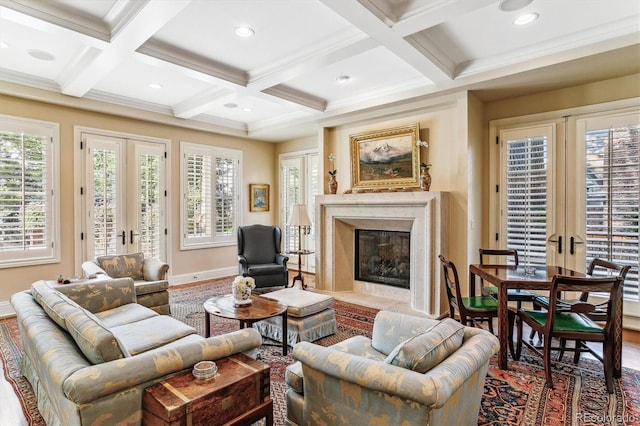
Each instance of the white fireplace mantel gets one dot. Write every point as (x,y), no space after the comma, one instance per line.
(424,214)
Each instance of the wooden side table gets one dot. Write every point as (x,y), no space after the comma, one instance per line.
(300,277)
(237,395)
(260,308)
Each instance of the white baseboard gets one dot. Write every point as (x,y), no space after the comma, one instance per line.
(6,310)
(202,275)
(631,322)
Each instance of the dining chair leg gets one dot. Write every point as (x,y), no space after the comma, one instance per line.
(547,362)
(512,319)
(607,350)
(576,355)
(518,350)
(563,345)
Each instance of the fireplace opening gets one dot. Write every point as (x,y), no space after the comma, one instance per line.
(383,257)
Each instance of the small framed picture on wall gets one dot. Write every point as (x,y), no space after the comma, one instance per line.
(259,197)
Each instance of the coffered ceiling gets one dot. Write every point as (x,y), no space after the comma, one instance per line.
(309,62)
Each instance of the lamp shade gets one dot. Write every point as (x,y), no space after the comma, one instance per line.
(299,216)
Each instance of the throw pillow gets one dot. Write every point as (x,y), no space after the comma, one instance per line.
(423,351)
(122,266)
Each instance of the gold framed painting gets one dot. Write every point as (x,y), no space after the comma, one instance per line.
(259,197)
(386,159)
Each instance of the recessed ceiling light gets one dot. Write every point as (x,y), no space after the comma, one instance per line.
(511,5)
(247,109)
(525,19)
(155,85)
(41,54)
(342,79)
(4,45)
(231,105)
(245,32)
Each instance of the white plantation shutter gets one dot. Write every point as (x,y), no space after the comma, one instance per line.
(28,213)
(291,191)
(210,185)
(612,174)
(227,171)
(526,197)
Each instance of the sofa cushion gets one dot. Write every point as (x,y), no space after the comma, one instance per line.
(55,304)
(151,333)
(125,314)
(93,338)
(123,265)
(423,351)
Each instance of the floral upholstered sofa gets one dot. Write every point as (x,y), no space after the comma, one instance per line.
(149,276)
(90,350)
(413,371)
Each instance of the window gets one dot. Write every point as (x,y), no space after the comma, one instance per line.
(210,195)
(612,196)
(569,191)
(299,185)
(29,189)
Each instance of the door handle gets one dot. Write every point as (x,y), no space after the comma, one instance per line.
(572,243)
(131,235)
(124,238)
(559,241)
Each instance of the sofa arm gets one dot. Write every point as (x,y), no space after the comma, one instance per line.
(90,267)
(154,269)
(96,381)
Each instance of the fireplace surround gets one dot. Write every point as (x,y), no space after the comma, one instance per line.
(423,214)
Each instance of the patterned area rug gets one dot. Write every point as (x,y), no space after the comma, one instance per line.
(514,397)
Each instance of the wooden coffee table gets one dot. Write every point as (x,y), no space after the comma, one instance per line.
(260,308)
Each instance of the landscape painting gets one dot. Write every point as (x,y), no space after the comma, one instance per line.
(386,159)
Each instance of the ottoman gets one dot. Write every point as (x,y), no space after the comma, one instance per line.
(310,316)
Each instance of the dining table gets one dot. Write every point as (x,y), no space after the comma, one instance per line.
(506,277)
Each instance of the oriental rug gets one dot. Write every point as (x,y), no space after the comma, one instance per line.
(514,397)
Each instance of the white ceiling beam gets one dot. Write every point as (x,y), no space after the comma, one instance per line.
(369,23)
(155,14)
(432,16)
(200,103)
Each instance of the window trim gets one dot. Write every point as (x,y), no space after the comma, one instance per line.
(50,130)
(214,240)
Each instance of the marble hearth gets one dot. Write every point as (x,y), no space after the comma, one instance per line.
(423,214)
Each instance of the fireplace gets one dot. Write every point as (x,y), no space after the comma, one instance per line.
(421,215)
(383,257)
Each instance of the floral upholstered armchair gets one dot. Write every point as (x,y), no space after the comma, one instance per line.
(149,277)
(413,370)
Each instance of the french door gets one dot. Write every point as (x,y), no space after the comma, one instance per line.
(124,209)
(299,183)
(565,203)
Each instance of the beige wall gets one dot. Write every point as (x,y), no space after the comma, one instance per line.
(191,262)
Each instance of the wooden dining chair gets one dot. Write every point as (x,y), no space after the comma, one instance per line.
(573,323)
(513,294)
(470,309)
(597,267)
